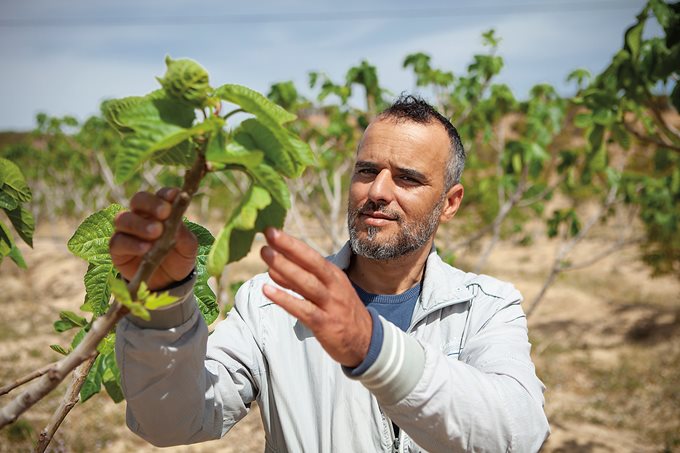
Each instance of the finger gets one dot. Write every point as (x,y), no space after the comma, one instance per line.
(168,193)
(309,314)
(300,253)
(149,205)
(176,265)
(186,243)
(123,246)
(136,225)
(291,276)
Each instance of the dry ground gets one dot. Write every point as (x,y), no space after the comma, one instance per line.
(606,343)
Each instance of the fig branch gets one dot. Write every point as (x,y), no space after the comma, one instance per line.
(87,349)
(71,397)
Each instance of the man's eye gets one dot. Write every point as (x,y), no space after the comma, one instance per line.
(409,180)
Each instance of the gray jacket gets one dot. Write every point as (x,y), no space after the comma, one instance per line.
(460,378)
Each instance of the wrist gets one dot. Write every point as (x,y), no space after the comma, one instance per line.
(375,340)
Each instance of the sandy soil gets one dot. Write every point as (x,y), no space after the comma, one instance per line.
(606,343)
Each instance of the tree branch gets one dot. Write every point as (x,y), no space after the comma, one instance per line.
(540,196)
(117,194)
(103,325)
(672,133)
(502,214)
(24,379)
(618,245)
(559,264)
(71,397)
(153,258)
(650,140)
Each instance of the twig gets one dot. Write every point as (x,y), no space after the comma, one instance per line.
(472,239)
(58,372)
(71,397)
(167,241)
(618,245)
(541,196)
(323,222)
(295,215)
(649,140)
(109,180)
(672,133)
(24,379)
(103,325)
(559,264)
(502,214)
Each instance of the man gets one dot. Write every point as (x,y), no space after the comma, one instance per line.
(439,361)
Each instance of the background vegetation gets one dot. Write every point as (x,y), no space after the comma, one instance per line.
(565,192)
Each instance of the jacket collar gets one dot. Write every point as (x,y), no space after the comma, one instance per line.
(442,285)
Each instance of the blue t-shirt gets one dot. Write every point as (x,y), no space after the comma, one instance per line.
(396,308)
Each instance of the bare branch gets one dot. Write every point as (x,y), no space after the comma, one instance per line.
(323,222)
(24,379)
(71,397)
(103,325)
(650,140)
(671,133)
(506,208)
(473,238)
(541,195)
(115,190)
(618,245)
(559,264)
(299,224)
(58,372)
(471,107)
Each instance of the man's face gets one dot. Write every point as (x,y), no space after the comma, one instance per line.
(397,191)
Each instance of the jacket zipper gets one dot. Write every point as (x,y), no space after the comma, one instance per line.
(396,441)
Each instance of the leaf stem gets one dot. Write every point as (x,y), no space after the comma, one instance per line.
(233,112)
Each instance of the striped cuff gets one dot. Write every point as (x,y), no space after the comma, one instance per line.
(175,314)
(398,368)
(373,347)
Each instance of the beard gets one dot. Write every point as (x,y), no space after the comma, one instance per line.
(411,236)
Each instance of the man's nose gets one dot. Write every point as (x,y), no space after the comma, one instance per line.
(382,188)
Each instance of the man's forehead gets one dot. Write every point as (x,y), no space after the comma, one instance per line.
(406,141)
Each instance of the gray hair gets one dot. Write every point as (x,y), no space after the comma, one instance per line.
(414,108)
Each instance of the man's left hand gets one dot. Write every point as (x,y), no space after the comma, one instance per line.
(330,307)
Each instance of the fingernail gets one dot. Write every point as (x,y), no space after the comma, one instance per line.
(271,233)
(162,210)
(268,253)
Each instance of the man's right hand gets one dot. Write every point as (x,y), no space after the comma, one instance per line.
(137,230)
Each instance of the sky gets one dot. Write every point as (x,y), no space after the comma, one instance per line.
(65,57)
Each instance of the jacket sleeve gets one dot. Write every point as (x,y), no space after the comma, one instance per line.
(179,385)
(488,400)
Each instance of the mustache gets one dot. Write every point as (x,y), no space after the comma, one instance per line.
(371,206)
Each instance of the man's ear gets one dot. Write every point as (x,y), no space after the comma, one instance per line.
(454,197)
